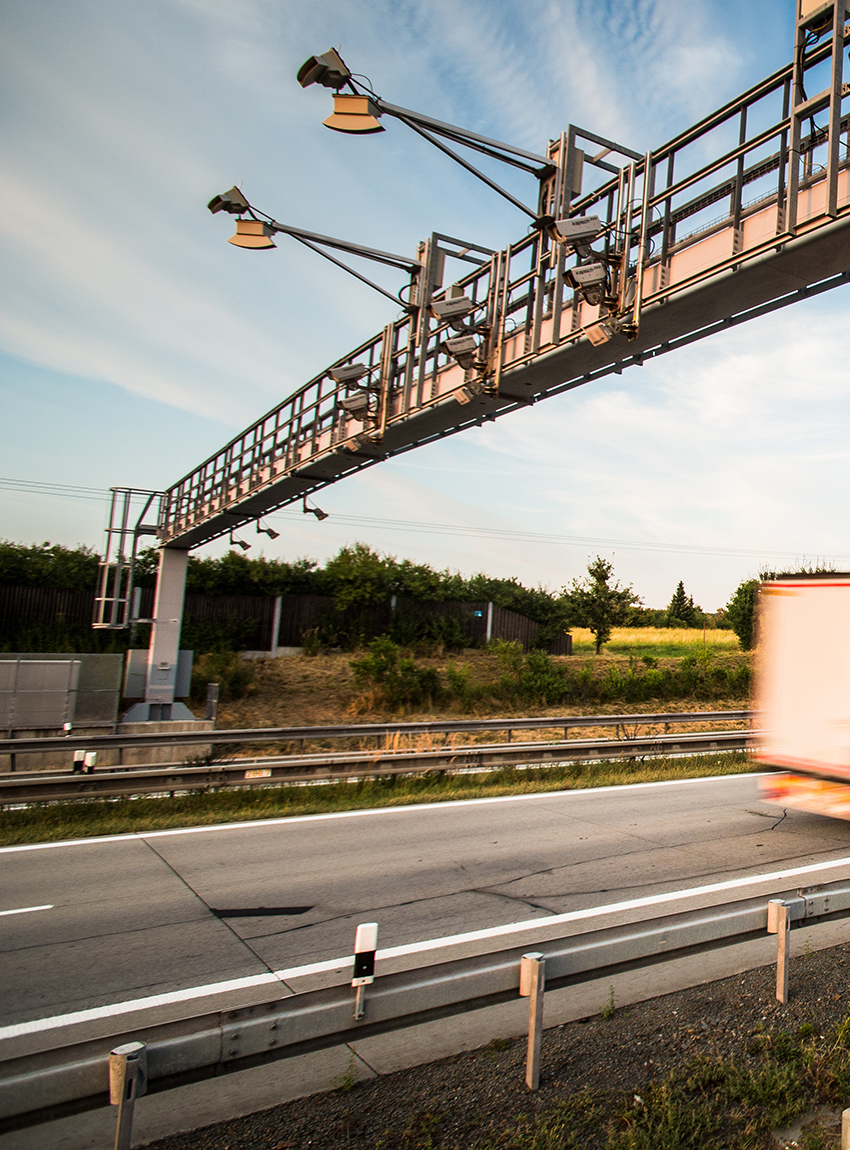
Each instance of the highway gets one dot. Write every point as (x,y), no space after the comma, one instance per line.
(103,921)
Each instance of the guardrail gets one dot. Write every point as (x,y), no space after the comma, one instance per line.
(360,730)
(43,787)
(56,1077)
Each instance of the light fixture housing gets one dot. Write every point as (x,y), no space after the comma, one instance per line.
(462,349)
(329,70)
(599,333)
(231,201)
(267,531)
(253,234)
(349,373)
(239,543)
(317,511)
(354,114)
(454,310)
(357,406)
(578,229)
(588,275)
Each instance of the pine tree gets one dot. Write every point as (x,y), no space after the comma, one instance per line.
(681,611)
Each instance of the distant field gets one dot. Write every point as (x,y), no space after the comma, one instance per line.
(670,642)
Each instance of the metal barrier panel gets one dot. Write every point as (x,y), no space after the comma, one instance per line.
(38,695)
(98,687)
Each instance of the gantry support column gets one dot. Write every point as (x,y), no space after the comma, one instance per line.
(165,635)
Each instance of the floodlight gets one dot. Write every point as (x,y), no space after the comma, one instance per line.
(230,201)
(357,114)
(329,70)
(317,511)
(462,349)
(239,543)
(267,531)
(349,373)
(252,234)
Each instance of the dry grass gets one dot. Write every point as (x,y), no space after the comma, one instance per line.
(663,641)
(319,691)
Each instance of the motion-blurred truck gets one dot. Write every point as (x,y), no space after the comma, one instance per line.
(802,692)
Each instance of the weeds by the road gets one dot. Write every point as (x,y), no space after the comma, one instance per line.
(49,822)
(739,1103)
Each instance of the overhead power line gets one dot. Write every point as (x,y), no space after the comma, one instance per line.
(459,530)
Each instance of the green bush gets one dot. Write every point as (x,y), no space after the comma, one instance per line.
(535,679)
(401,680)
(740,611)
(233,674)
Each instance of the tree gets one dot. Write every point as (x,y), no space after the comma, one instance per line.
(598,603)
(681,611)
(740,611)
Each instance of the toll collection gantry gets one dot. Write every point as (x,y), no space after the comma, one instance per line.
(629,256)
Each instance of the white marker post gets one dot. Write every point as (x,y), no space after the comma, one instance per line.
(779,923)
(79,761)
(90,760)
(365,945)
(532,982)
(128,1080)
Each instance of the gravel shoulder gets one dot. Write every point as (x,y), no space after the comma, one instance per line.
(719,1065)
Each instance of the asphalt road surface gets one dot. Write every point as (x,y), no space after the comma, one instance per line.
(148,914)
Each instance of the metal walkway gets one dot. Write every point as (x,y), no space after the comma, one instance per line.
(686,246)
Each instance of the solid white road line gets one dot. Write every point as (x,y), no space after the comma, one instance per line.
(345,964)
(27,909)
(298,820)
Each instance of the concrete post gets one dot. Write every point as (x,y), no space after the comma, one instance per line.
(167,621)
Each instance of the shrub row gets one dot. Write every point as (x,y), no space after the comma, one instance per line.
(535,679)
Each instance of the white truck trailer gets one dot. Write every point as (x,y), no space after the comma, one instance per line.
(802,692)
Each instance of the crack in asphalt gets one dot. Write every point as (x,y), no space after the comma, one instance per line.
(223,922)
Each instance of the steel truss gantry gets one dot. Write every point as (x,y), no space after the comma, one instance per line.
(687,246)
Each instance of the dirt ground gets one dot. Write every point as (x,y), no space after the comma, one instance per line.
(320,690)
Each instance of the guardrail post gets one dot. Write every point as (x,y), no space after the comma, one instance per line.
(212,701)
(128,1080)
(532,981)
(779,923)
(365,945)
(90,760)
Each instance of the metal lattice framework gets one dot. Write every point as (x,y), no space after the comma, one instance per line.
(689,245)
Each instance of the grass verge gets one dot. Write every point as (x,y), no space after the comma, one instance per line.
(723,1104)
(50,822)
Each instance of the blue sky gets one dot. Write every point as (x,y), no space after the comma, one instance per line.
(134,340)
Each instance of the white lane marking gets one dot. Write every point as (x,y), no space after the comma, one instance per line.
(27,909)
(345,963)
(92,1015)
(405,809)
